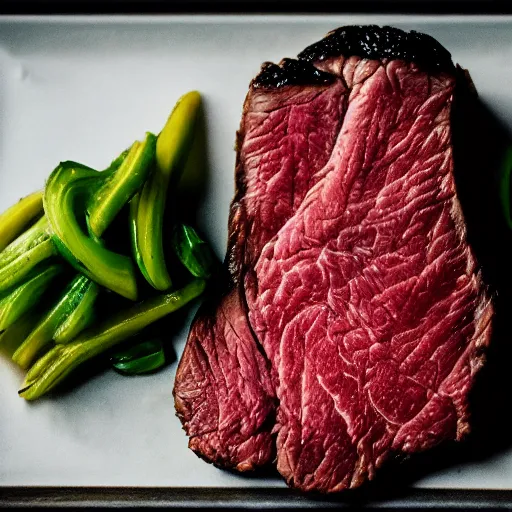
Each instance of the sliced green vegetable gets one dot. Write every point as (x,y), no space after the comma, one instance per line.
(16,218)
(75,309)
(23,298)
(35,235)
(16,271)
(134,208)
(144,357)
(61,360)
(82,314)
(119,187)
(505,186)
(81,317)
(193,252)
(44,332)
(116,163)
(22,255)
(172,147)
(112,270)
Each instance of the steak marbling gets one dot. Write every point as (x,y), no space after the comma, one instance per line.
(354,316)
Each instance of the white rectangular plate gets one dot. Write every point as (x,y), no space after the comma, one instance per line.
(83,89)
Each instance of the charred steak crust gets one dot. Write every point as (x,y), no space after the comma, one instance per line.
(374,42)
(330,379)
(291,72)
(369,42)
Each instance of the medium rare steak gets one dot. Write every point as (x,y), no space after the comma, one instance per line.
(353,316)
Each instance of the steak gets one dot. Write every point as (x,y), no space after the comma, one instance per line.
(352,317)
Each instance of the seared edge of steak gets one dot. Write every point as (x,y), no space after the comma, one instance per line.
(290,72)
(374,42)
(366,41)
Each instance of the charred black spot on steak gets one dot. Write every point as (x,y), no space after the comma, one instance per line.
(290,72)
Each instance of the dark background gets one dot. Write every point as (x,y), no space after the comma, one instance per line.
(256,6)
